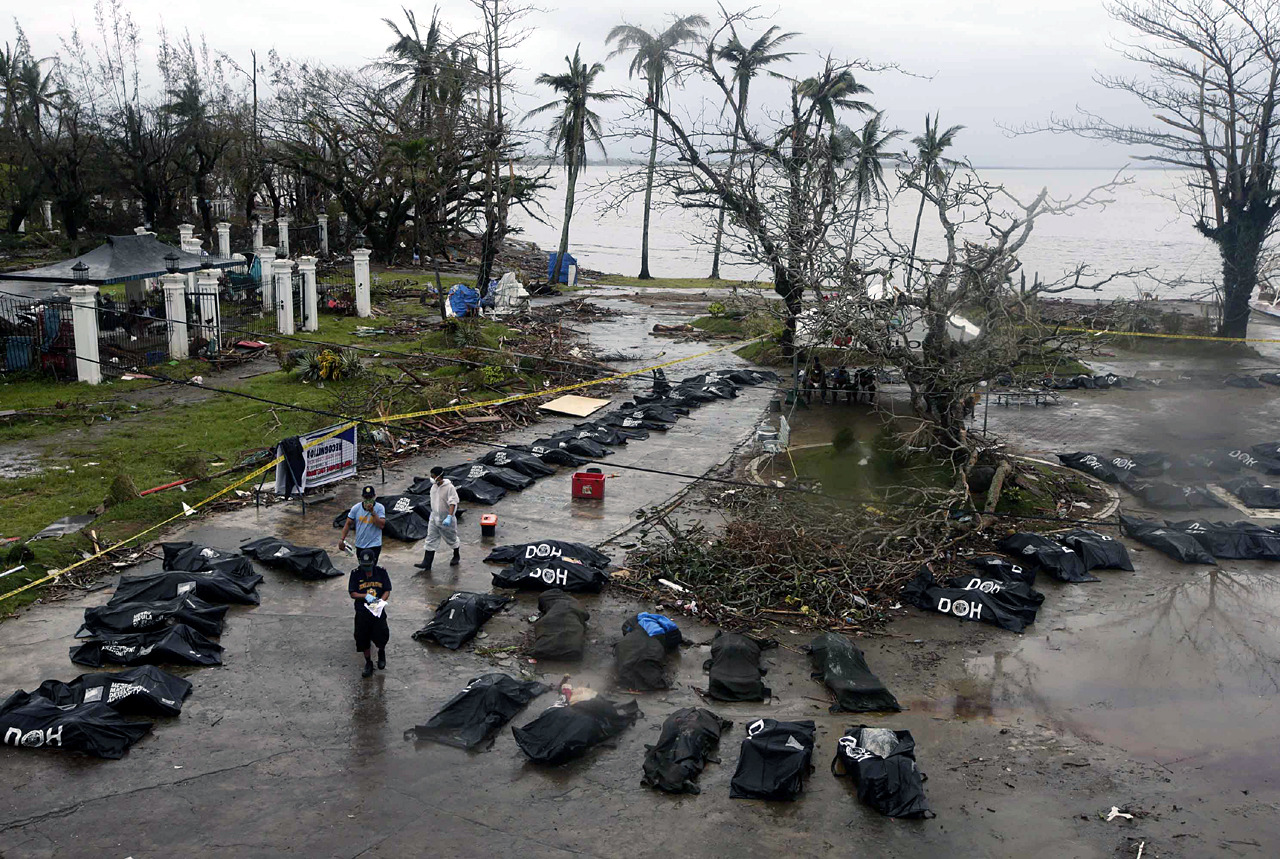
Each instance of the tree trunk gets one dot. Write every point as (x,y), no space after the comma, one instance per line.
(1239,243)
(853,232)
(911,260)
(792,301)
(568,216)
(648,189)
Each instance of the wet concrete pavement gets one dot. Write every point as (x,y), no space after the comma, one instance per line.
(1149,690)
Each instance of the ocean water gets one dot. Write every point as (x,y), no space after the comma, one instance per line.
(1140,229)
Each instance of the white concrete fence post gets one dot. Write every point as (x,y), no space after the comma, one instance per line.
(46,209)
(310,296)
(207,300)
(364,297)
(284,297)
(84,321)
(195,204)
(266,259)
(257,235)
(175,312)
(323,221)
(186,232)
(224,239)
(282,228)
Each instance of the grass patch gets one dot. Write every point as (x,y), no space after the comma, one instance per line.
(720,325)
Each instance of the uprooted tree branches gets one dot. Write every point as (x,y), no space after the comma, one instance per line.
(782,556)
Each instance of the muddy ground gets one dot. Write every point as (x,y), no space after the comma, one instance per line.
(1154,691)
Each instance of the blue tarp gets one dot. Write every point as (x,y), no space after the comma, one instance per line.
(463,299)
(564,266)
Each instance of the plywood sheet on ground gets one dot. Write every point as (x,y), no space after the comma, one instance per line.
(578,407)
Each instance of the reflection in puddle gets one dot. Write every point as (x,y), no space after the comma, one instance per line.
(1188,671)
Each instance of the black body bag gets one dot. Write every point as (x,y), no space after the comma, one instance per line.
(177,645)
(597,432)
(734,669)
(194,558)
(560,632)
(842,668)
(579,447)
(1177,545)
(776,757)
(143,691)
(1254,493)
(507,478)
(1150,463)
(407,516)
(882,764)
(521,554)
(544,575)
(635,420)
(1097,551)
(475,714)
(304,562)
(996,567)
(688,738)
(1091,463)
(516,460)
(1169,496)
(459,618)
(34,722)
(564,732)
(968,604)
(1243,541)
(552,454)
(1048,555)
(205,618)
(641,658)
(212,587)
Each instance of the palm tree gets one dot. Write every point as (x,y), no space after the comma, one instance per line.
(573,128)
(415,63)
(652,60)
(932,169)
(869,149)
(747,62)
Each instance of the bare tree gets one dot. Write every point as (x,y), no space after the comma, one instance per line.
(1212,84)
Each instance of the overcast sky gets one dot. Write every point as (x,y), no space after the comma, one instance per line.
(986,64)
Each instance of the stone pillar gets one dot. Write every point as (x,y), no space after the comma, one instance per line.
(310,296)
(323,221)
(282,229)
(175,311)
(224,239)
(134,290)
(84,320)
(266,259)
(284,297)
(46,209)
(190,280)
(186,232)
(257,235)
(195,204)
(142,231)
(364,299)
(207,300)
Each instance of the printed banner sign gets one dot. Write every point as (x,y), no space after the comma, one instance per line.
(330,460)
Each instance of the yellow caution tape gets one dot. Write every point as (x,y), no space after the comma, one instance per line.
(346,426)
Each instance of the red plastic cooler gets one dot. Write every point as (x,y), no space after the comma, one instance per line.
(588,484)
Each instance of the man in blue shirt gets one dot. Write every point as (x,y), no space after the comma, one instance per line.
(370,518)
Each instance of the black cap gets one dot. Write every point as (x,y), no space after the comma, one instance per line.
(369,493)
(437,471)
(365,557)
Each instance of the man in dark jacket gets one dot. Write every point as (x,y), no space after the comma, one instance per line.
(370,588)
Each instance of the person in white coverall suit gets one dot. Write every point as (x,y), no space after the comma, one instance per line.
(443,524)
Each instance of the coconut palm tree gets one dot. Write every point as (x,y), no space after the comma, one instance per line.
(576,125)
(746,61)
(414,61)
(931,169)
(868,151)
(652,57)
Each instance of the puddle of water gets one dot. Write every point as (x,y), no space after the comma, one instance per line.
(19,463)
(1182,674)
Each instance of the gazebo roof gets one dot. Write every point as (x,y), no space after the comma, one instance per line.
(121,259)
